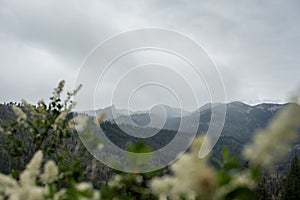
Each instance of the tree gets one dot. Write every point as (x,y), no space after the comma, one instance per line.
(291,185)
(263,192)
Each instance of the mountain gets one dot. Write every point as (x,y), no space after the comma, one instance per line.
(240,123)
(111,112)
(241,119)
(155,118)
(156,115)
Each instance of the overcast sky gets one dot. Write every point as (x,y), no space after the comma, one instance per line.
(254,44)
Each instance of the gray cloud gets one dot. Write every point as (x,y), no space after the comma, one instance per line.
(255,44)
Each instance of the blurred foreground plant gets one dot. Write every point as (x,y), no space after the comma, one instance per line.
(34,185)
(194,178)
(42,127)
(272,144)
(47,126)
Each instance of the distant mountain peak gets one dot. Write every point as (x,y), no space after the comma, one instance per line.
(239,103)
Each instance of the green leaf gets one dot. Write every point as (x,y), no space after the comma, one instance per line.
(243,193)
(217,161)
(225,153)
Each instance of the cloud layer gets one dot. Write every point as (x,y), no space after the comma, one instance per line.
(255,44)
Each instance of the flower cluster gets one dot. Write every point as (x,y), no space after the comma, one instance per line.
(273,143)
(115,182)
(238,180)
(84,125)
(28,188)
(20,114)
(50,172)
(193,177)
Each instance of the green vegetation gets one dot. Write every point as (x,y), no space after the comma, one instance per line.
(43,136)
(291,186)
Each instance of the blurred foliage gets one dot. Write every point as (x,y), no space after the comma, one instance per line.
(49,128)
(291,185)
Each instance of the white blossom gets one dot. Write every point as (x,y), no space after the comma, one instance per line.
(80,123)
(32,193)
(100,117)
(18,111)
(115,182)
(84,186)
(27,188)
(162,186)
(28,177)
(6,182)
(100,146)
(139,179)
(239,180)
(21,116)
(59,195)
(272,144)
(192,177)
(50,172)
(61,116)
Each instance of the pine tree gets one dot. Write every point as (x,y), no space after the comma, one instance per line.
(263,192)
(291,187)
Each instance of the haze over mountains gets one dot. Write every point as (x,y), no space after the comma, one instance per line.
(112,112)
(240,122)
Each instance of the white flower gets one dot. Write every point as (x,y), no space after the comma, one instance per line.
(115,182)
(59,195)
(62,116)
(32,193)
(162,186)
(6,182)
(50,172)
(100,117)
(84,186)
(272,144)
(28,177)
(193,177)
(26,188)
(18,111)
(239,180)
(80,123)
(8,133)
(100,146)
(96,195)
(139,179)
